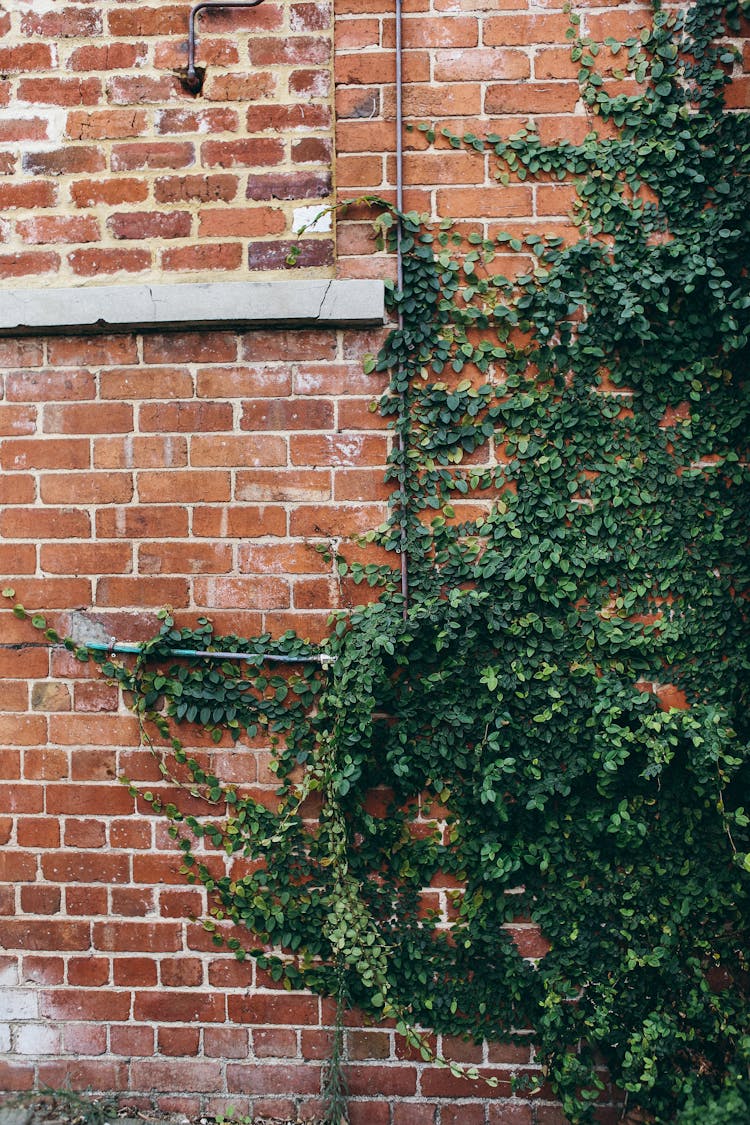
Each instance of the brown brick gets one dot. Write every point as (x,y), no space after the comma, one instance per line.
(254,593)
(207,256)
(238,382)
(38,523)
(225,1042)
(275,255)
(476,202)
(93,558)
(83,1039)
(521,29)
(452,31)
(252,87)
(142,89)
(16,420)
(146,383)
(40,194)
(110,56)
(274,1043)
(346,520)
(289,185)
(87,193)
(244,153)
(88,971)
(312,150)
(264,485)
(185,558)
(233,450)
(178,1041)
(139,522)
(241,222)
(292,50)
(310,17)
(535,97)
(26,58)
(286,118)
(89,263)
(84,488)
(130,452)
(179,189)
(59,228)
(86,1004)
(23,129)
(482,64)
(83,125)
(57,937)
(187,972)
(184,1007)
(269,1078)
(176,1074)
(196,418)
(79,867)
(81,351)
(337,449)
(20,453)
(27,264)
(141,591)
(137,21)
(41,900)
(67,22)
(64,161)
(239,521)
(287,414)
(61,91)
(197,121)
(88,418)
(150,224)
(152,154)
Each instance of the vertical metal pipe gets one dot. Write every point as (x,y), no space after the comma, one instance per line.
(404,499)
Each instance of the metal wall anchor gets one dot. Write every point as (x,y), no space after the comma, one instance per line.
(194,78)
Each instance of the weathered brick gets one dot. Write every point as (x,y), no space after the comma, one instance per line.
(206,188)
(203,256)
(60,91)
(289,185)
(135,155)
(122,190)
(83,125)
(64,161)
(59,228)
(276,255)
(68,22)
(243,153)
(27,264)
(89,263)
(149,224)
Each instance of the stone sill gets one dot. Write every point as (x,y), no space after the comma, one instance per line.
(215,304)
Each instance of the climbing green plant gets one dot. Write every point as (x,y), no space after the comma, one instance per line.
(556,722)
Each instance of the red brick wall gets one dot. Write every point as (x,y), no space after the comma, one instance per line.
(201,470)
(112,170)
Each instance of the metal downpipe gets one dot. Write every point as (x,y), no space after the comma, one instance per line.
(404,499)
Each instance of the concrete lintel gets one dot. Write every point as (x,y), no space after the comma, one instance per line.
(212,304)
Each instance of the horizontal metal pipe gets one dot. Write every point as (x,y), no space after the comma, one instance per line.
(126,648)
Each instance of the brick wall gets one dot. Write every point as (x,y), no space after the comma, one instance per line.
(112,169)
(201,470)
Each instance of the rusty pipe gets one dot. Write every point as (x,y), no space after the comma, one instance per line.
(193,79)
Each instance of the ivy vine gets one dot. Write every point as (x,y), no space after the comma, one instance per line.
(572,493)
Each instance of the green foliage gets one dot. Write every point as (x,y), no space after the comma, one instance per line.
(571,490)
(65,1104)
